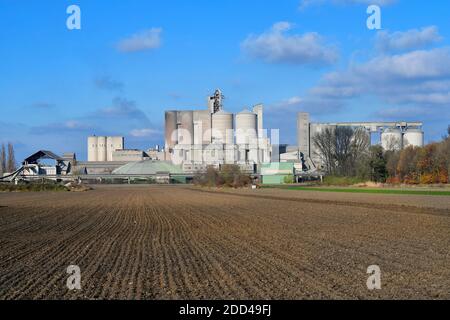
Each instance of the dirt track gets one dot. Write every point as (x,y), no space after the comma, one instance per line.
(176,243)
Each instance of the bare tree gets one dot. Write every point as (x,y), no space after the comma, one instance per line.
(325,145)
(2,160)
(392,144)
(341,149)
(11,163)
(361,152)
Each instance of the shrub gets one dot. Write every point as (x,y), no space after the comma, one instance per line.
(229,176)
(289,179)
(32,187)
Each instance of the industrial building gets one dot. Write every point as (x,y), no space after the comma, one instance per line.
(101,149)
(196,139)
(213,136)
(393,135)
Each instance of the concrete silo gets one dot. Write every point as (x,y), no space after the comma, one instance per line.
(101,149)
(413,137)
(185,126)
(92,148)
(171,127)
(202,127)
(258,110)
(391,139)
(246,127)
(222,128)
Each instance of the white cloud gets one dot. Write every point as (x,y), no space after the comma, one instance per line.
(66,127)
(276,46)
(141,133)
(145,40)
(307,3)
(411,39)
(419,77)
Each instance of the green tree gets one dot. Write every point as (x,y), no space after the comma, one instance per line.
(378,164)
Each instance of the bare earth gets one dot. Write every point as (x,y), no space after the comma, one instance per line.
(157,242)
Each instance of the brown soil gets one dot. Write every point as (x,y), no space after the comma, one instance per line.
(156,242)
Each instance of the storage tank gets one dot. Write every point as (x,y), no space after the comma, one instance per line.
(391,139)
(92,149)
(171,127)
(222,127)
(101,145)
(246,127)
(185,124)
(413,137)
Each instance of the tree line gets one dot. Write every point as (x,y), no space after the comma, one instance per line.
(346,152)
(7,159)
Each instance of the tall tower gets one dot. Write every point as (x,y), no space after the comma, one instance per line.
(303,134)
(215,102)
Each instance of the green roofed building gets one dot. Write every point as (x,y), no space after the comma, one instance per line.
(161,171)
(148,167)
(276,172)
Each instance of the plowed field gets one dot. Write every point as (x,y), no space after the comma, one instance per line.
(157,242)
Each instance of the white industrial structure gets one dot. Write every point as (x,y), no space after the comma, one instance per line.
(393,135)
(215,137)
(101,148)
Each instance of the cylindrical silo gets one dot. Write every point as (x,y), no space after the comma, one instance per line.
(185,124)
(101,148)
(246,127)
(222,127)
(413,137)
(92,149)
(391,139)
(171,128)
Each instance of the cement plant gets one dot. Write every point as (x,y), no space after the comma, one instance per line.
(223,159)
(198,139)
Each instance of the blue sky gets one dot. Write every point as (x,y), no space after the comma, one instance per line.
(132,60)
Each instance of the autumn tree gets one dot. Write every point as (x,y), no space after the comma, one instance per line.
(407,165)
